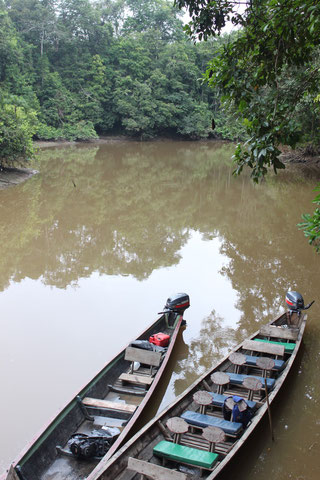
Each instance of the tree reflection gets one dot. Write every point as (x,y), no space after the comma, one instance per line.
(213,342)
(116,211)
(128,208)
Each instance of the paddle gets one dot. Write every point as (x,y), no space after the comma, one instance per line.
(269,409)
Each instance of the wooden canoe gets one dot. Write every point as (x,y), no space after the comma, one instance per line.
(198,450)
(114,399)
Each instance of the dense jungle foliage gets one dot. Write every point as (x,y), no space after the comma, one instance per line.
(73,69)
(76,69)
(268,75)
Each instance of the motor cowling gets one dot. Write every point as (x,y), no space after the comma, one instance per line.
(295,301)
(177,303)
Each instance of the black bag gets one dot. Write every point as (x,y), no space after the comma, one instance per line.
(146,345)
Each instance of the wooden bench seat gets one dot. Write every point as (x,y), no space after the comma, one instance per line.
(268,348)
(97,403)
(195,440)
(279,332)
(288,346)
(237,379)
(155,472)
(145,357)
(183,454)
(252,362)
(138,379)
(219,399)
(203,421)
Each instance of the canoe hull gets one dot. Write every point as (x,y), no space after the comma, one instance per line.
(40,458)
(140,448)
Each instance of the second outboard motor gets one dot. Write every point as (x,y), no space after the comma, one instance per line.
(295,302)
(176,305)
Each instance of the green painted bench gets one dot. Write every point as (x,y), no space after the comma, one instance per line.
(183,454)
(288,347)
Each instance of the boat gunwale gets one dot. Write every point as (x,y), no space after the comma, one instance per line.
(255,421)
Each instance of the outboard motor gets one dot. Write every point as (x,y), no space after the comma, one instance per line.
(295,303)
(176,305)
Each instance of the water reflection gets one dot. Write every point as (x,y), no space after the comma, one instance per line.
(114,211)
(94,244)
(119,210)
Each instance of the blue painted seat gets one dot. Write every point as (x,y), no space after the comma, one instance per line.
(203,421)
(219,399)
(252,361)
(237,379)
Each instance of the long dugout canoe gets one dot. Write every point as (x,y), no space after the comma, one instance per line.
(100,418)
(206,426)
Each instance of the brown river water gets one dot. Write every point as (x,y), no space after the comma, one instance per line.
(94,244)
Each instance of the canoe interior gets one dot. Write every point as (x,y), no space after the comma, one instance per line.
(42,460)
(141,446)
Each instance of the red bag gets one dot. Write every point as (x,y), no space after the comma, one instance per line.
(160,339)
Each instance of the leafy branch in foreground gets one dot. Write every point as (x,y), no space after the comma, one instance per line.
(274,38)
(311,224)
(265,72)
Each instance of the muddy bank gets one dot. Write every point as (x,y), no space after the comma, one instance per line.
(119,138)
(287,154)
(94,141)
(14,176)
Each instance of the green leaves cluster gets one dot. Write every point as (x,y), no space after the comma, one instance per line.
(311,224)
(268,74)
(265,71)
(17,126)
(118,67)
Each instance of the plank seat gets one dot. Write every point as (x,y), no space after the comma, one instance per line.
(237,379)
(133,378)
(219,399)
(288,346)
(146,357)
(197,441)
(97,403)
(155,472)
(203,421)
(183,454)
(267,348)
(252,362)
(279,332)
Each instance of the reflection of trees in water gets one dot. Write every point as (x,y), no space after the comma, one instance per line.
(213,342)
(128,213)
(267,255)
(132,210)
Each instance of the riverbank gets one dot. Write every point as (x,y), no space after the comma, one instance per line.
(94,141)
(287,156)
(13,176)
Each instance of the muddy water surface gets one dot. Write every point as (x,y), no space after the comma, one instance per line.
(95,243)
